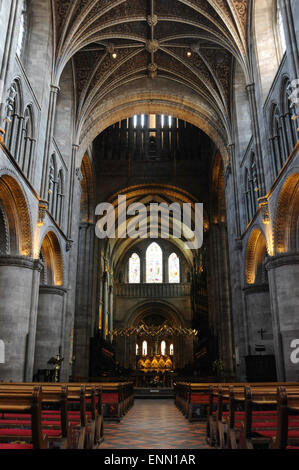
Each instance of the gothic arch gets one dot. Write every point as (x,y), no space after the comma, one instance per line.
(169,312)
(52,257)
(159,98)
(13,113)
(287,215)
(256,252)
(16,223)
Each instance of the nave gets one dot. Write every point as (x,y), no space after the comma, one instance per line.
(154,424)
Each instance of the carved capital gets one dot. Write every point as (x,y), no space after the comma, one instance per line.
(263,203)
(68,245)
(43,206)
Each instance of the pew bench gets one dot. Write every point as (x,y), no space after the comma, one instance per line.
(64,408)
(284,421)
(27,404)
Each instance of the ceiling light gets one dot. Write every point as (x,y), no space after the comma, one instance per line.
(114,55)
(189,54)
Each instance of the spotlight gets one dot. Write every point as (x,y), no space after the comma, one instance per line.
(114,55)
(189,54)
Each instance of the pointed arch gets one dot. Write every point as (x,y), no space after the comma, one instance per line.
(154,264)
(26,154)
(173,268)
(13,116)
(134,269)
(255,255)
(286,235)
(51,255)
(15,223)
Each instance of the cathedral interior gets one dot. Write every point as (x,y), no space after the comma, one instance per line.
(163,103)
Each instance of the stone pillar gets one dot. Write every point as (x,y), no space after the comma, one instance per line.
(49,324)
(257,138)
(110,326)
(105,304)
(290,34)
(38,266)
(84,299)
(235,267)
(284,295)
(49,133)
(8,57)
(71,275)
(18,305)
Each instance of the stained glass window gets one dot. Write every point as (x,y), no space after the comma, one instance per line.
(134,269)
(163,348)
(137,349)
(144,348)
(171,350)
(154,267)
(174,268)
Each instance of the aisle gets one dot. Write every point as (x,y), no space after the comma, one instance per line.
(154,424)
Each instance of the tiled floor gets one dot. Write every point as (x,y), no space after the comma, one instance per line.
(154,424)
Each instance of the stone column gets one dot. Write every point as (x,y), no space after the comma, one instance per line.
(18,280)
(49,133)
(105,304)
(8,57)
(38,266)
(84,299)
(257,138)
(290,34)
(284,295)
(110,326)
(49,322)
(235,268)
(71,275)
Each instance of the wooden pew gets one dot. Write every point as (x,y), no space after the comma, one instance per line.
(92,406)
(69,414)
(286,436)
(258,432)
(226,411)
(117,398)
(27,403)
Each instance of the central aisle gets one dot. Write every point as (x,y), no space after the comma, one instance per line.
(154,424)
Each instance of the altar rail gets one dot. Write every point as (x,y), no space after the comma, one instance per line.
(152,290)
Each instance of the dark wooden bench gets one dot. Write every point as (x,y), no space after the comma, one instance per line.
(65,405)
(259,433)
(29,404)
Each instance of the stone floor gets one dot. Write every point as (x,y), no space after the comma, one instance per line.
(154,424)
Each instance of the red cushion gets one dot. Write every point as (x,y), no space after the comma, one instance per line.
(16,446)
(15,422)
(15,432)
(16,416)
(27,432)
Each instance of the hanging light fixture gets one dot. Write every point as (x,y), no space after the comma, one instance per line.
(153,331)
